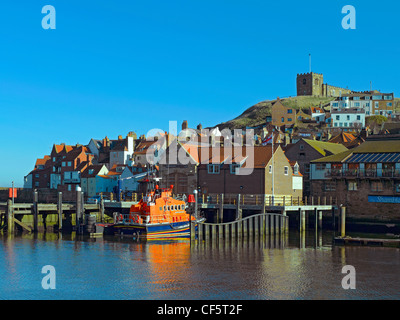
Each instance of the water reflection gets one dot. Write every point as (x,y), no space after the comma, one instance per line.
(296,266)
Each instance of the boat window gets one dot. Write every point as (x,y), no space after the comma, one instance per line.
(165,208)
(176,208)
(160,208)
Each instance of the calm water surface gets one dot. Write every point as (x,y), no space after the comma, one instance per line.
(114,268)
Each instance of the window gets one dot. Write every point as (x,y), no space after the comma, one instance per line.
(336,124)
(213,168)
(376,97)
(290,111)
(69,163)
(283,119)
(289,119)
(69,187)
(367,98)
(270,169)
(397,187)
(347,117)
(345,124)
(367,113)
(296,169)
(54,169)
(286,171)
(320,166)
(340,124)
(304,81)
(376,186)
(376,104)
(352,186)
(63,164)
(54,159)
(233,168)
(37,175)
(388,104)
(356,98)
(358,117)
(329,186)
(91,171)
(387,97)
(356,104)
(337,117)
(37,184)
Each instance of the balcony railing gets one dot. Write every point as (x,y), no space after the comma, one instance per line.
(366,173)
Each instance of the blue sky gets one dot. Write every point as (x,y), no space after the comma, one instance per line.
(111,67)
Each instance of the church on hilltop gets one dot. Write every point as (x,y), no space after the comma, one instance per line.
(312,84)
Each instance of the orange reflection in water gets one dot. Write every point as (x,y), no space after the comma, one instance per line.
(169,262)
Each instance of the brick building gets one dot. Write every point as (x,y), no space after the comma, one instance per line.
(306,150)
(365,179)
(282,115)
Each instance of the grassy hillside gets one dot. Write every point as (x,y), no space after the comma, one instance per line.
(256,114)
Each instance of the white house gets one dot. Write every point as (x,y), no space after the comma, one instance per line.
(349,118)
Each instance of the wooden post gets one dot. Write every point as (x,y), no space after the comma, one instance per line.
(277,226)
(320,220)
(316,218)
(333,220)
(264,203)
(272,223)
(221,209)
(266,223)
(78,207)
(102,210)
(35,211)
(324,200)
(343,222)
(305,200)
(213,232)
(245,228)
(238,208)
(302,220)
(207,231)
(10,217)
(59,210)
(200,227)
(227,227)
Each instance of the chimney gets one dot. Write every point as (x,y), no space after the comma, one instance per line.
(199,127)
(184,125)
(120,137)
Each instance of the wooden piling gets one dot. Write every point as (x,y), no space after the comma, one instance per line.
(320,220)
(221,209)
(59,210)
(238,208)
(79,210)
(302,220)
(10,217)
(35,211)
(277,226)
(343,222)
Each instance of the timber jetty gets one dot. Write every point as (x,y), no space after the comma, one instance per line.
(227,215)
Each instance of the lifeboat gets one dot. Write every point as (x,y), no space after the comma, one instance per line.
(157,215)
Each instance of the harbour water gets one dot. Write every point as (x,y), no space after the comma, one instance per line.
(119,268)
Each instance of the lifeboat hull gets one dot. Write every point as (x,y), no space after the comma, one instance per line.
(152,231)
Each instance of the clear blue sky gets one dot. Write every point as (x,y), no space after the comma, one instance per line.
(111,67)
